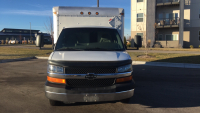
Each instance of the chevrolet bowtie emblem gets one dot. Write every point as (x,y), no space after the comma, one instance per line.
(91,76)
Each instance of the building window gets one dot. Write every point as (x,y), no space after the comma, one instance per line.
(8,30)
(199,35)
(140,34)
(140,17)
(199,13)
(139,0)
(160,37)
(171,37)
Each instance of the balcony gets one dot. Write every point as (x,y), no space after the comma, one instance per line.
(167,2)
(167,23)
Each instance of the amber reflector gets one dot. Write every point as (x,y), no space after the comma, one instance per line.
(89,13)
(97,13)
(81,13)
(118,80)
(56,80)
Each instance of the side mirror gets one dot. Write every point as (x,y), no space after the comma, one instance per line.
(40,41)
(53,46)
(132,43)
(125,46)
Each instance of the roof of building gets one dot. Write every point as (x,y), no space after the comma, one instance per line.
(18,29)
(23,34)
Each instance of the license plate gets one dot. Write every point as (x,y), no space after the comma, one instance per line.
(91,98)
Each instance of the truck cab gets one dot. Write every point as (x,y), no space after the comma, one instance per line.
(89,62)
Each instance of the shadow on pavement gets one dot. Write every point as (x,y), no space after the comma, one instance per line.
(163,87)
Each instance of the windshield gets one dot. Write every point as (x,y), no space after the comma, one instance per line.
(89,39)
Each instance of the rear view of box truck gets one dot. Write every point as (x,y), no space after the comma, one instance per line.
(89,62)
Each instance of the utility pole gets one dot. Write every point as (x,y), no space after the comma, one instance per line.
(97,3)
(30,30)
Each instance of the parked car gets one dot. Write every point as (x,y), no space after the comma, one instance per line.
(11,41)
(24,41)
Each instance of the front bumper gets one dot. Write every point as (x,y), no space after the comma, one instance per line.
(89,97)
(65,93)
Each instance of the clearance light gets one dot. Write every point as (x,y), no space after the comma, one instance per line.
(89,13)
(56,80)
(125,79)
(97,13)
(54,12)
(81,13)
(122,14)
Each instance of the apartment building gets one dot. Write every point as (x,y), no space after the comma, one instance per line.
(166,23)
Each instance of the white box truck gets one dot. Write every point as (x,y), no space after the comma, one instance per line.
(89,62)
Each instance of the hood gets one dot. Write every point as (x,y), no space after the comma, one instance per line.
(89,56)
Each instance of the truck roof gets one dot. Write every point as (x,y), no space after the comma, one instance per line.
(70,11)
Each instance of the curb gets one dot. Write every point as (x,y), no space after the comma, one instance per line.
(166,64)
(41,57)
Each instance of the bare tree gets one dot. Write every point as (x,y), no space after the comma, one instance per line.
(129,38)
(49,27)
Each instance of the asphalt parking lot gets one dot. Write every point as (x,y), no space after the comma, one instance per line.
(158,90)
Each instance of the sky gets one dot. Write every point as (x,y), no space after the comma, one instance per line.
(19,13)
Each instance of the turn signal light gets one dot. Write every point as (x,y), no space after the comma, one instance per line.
(56,80)
(89,13)
(124,79)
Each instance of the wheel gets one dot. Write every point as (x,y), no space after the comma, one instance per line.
(126,100)
(55,103)
(137,48)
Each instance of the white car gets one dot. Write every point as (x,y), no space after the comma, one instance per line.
(12,42)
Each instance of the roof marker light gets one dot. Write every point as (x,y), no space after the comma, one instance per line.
(122,14)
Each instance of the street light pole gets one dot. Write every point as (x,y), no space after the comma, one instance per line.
(30,30)
(97,3)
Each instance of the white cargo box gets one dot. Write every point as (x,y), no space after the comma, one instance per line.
(70,17)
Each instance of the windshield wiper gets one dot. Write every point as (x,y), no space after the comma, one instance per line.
(69,49)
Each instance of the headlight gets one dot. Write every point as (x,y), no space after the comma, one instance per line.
(55,69)
(124,68)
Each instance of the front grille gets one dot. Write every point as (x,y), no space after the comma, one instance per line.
(90,83)
(89,70)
